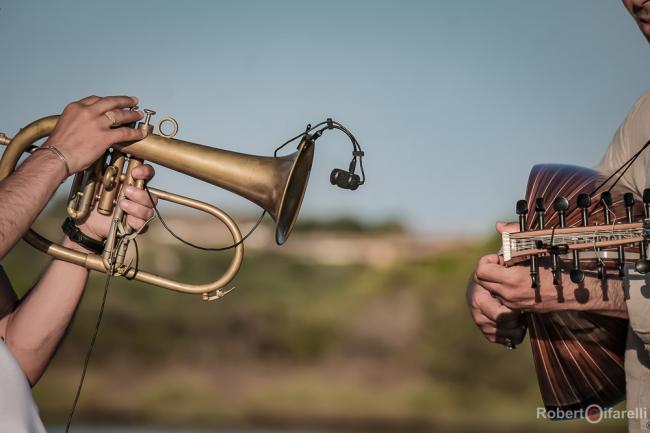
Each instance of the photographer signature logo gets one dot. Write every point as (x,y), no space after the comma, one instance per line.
(593,414)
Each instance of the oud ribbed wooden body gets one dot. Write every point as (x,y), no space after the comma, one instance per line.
(578,355)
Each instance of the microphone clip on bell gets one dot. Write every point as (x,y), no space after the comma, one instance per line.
(345,179)
(339,177)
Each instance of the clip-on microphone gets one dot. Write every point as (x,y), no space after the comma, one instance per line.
(339,177)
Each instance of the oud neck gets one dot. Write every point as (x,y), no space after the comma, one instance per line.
(536,242)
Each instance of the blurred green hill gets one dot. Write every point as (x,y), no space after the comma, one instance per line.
(357,343)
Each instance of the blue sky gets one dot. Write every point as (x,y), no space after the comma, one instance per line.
(452,101)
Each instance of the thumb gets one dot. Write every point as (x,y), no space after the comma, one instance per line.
(510,227)
(489,259)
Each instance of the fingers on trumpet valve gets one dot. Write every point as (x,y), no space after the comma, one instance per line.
(115,118)
(143,172)
(108,103)
(138,207)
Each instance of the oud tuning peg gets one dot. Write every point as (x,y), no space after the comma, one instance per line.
(522,207)
(522,211)
(555,269)
(539,211)
(534,272)
(576,274)
(606,200)
(628,200)
(584,202)
(642,266)
(561,205)
(534,266)
(620,265)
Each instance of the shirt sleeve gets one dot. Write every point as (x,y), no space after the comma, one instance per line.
(630,137)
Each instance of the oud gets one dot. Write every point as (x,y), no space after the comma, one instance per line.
(578,355)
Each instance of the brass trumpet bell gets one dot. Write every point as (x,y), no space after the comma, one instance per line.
(277,185)
(294,191)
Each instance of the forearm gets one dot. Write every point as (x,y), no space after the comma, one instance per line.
(35,329)
(25,193)
(599,296)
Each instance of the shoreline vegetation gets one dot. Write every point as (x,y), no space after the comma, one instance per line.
(346,328)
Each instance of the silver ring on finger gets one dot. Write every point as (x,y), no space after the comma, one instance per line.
(111,117)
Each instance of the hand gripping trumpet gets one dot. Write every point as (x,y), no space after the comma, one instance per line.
(276,184)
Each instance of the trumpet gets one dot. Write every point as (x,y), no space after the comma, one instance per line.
(276,184)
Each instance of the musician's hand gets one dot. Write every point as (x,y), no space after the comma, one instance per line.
(84,131)
(511,285)
(136,205)
(497,322)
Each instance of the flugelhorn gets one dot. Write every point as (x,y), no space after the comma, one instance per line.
(276,184)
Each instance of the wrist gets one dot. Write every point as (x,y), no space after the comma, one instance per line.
(93,244)
(53,163)
(89,232)
(69,243)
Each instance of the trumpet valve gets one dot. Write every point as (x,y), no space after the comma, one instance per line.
(110,178)
(146,122)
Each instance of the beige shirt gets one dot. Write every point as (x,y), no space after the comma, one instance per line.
(633,133)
